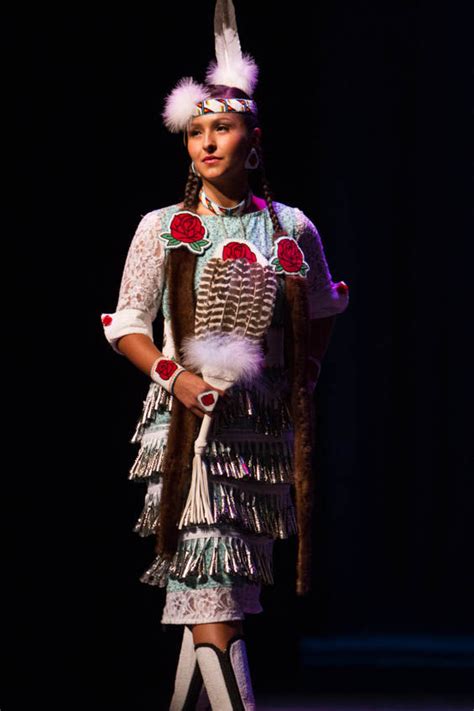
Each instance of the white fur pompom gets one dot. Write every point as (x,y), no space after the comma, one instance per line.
(242,72)
(180,103)
(223,354)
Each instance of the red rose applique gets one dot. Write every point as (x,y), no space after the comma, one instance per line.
(165,368)
(186,229)
(106,320)
(288,257)
(238,250)
(208,399)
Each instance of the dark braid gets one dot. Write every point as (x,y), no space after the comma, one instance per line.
(268,193)
(191,190)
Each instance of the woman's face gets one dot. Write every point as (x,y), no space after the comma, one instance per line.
(223,136)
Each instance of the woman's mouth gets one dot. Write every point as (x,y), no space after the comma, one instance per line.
(211,160)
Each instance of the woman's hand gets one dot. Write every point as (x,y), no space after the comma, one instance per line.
(188,386)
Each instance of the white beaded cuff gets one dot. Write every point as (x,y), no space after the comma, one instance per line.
(120,323)
(208,400)
(165,371)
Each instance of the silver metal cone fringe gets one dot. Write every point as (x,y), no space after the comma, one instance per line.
(251,446)
(267,400)
(211,555)
(158,400)
(253,507)
(267,461)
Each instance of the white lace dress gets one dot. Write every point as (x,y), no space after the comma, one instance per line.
(218,569)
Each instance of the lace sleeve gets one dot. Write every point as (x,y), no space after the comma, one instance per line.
(326,298)
(141,286)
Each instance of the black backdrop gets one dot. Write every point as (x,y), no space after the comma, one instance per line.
(365,109)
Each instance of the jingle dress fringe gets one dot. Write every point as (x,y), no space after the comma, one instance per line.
(250,473)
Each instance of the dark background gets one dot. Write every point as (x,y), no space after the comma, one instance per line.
(366,114)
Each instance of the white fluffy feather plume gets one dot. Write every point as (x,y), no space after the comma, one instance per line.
(223,355)
(180,103)
(232,68)
(242,73)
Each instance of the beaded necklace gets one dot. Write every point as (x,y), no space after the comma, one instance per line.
(228,211)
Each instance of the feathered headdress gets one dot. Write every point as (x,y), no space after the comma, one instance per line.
(231,67)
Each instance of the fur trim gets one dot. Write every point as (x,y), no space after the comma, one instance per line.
(180,103)
(184,424)
(241,73)
(224,355)
(296,337)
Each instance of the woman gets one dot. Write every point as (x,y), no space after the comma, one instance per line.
(213,571)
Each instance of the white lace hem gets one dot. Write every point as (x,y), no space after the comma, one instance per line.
(216,604)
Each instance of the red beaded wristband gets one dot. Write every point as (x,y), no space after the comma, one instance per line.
(165,371)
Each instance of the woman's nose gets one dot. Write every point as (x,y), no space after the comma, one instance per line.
(209,141)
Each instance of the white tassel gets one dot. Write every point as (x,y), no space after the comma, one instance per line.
(198,506)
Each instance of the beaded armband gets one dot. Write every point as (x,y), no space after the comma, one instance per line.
(165,371)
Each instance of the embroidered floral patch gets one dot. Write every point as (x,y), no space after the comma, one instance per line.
(186,229)
(237,250)
(165,368)
(288,257)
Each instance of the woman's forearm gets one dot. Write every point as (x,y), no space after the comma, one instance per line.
(140,350)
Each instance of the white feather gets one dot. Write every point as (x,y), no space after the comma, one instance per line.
(180,103)
(231,67)
(225,355)
(241,72)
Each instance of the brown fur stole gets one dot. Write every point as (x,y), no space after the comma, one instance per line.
(185,425)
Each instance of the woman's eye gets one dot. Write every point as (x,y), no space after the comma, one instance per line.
(195,132)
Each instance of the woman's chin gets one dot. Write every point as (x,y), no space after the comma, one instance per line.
(213,169)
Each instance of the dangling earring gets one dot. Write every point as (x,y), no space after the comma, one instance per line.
(193,168)
(252,160)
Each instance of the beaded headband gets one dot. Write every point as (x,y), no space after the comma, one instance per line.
(231,68)
(216,106)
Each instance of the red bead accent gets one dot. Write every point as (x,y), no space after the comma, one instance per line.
(166,368)
(208,399)
(107,320)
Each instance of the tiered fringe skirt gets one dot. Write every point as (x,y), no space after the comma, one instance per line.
(218,569)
